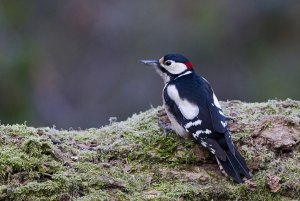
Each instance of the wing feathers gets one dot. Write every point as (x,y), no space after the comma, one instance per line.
(198,111)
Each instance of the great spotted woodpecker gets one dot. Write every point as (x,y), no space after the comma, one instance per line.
(194,110)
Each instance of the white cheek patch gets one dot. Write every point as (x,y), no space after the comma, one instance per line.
(175,68)
(188,110)
(216,102)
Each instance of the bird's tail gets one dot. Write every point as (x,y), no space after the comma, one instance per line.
(234,166)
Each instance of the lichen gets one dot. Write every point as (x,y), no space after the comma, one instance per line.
(133,160)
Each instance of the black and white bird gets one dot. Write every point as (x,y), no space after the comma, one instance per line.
(194,110)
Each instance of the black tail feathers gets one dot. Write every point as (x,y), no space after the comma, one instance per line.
(235,166)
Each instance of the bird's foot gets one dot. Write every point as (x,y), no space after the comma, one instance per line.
(164,122)
(167,129)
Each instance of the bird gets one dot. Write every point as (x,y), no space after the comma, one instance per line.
(195,112)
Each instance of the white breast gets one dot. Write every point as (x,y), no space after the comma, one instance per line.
(176,126)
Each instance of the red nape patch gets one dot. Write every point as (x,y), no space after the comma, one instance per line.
(189,65)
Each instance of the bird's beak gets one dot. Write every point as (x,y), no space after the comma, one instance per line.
(150,62)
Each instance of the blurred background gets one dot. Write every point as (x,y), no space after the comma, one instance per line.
(75,63)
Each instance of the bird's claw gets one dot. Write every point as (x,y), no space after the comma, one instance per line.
(167,128)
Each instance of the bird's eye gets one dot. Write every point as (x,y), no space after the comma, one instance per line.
(168,63)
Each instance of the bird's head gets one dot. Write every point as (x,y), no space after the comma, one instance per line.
(170,66)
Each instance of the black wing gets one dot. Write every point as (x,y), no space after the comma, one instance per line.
(209,127)
(213,125)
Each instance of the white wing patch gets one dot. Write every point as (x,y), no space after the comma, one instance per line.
(212,150)
(188,110)
(196,135)
(216,102)
(204,144)
(224,124)
(221,113)
(190,124)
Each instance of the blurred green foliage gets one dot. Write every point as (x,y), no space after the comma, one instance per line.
(75,63)
(16,62)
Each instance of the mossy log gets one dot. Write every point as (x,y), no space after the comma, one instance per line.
(132,160)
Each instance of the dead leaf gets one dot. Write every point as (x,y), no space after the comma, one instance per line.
(277,131)
(273,182)
(251,185)
(200,154)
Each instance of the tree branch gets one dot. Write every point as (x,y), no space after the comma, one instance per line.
(138,162)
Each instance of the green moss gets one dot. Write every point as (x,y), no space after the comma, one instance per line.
(132,160)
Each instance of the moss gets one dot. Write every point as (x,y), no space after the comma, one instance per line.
(132,160)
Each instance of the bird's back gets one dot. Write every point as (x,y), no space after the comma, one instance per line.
(194,89)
